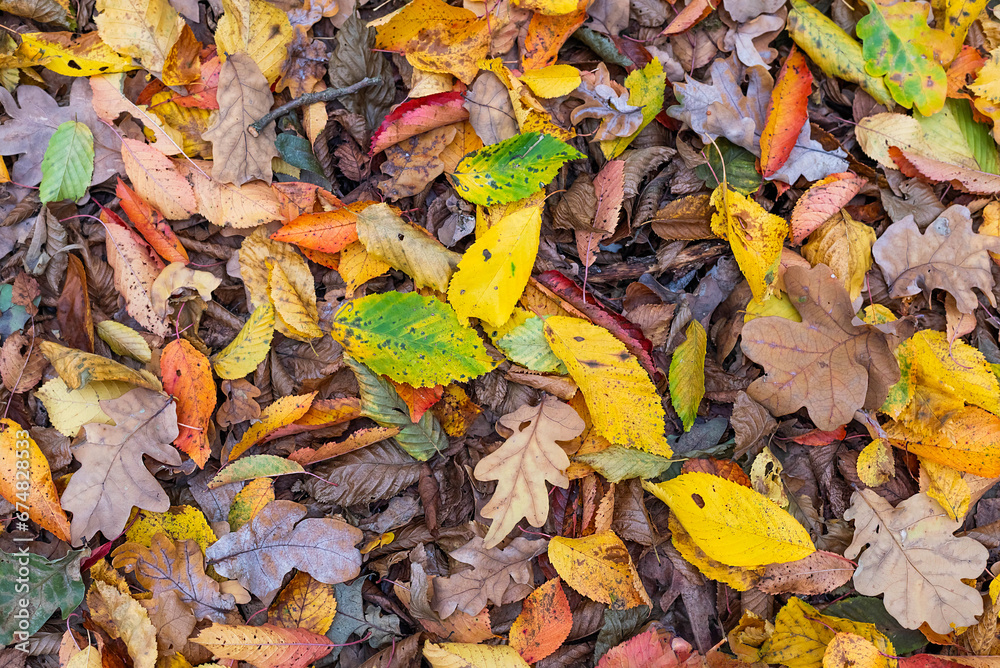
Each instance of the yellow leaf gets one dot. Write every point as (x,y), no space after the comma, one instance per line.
(876,314)
(304,603)
(258,29)
(70,409)
(623,402)
(176,278)
(255,251)
(876,464)
(122,617)
(645,90)
(123,340)
(844,245)
(88,53)
(143,29)
(88,657)
(249,501)
(740,579)
(733,524)
(765,475)
(281,413)
(492,274)
(358,266)
(295,311)
(801,636)
(406,247)
(959,15)
(179,523)
(776,303)
(947,486)
(525,462)
(529,113)
(554,80)
(968,440)
(26,479)
(755,236)
(599,567)
(848,650)
(77,368)
(466,655)
(249,348)
(687,374)
(549,7)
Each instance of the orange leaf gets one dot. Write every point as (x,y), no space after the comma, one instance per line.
(820,437)
(546,35)
(544,623)
(419,399)
(281,413)
(151,225)
(329,231)
(969,61)
(823,199)
(689,17)
(265,646)
(787,112)
(187,375)
(29,488)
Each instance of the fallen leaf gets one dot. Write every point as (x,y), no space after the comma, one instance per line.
(122,617)
(256,29)
(282,412)
(786,113)
(687,374)
(21,461)
(264,646)
(544,623)
(304,603)
(187,376)
(599,567)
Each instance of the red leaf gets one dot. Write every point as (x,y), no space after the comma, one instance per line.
(689,17)
(823,199)
(544,623)
(151,225)
(787,112)
(419,399)
(817,437)
(417,116)
(968,61)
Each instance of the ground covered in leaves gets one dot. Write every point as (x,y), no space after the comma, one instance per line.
(556,332)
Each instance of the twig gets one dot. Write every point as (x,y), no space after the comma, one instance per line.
(311,98)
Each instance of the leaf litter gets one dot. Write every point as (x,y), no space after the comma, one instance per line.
(649,333)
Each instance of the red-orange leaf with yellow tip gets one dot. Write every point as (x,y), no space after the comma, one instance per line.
(187,376)
(787,112)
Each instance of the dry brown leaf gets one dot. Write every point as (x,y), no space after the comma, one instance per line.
(244,97)
(113,477)
(21,363)
(173,620)
(136,268)
(825,363)
(528,459)
(818,573)
(490,110)
(606,100)
(414,163)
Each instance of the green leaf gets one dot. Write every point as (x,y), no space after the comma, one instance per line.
(68,164)
(411,339)
(255,466)
(511,170)
(617,463)
(645,89)
(687,374)
(895,46)
(297,152)
(50,585)
(737,164)
(526,345)
(603,47)
(380,402)
(977,136)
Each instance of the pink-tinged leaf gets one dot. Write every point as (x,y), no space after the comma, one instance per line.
(819,437)
(418,399)
(823,199)
(688,17)
(965,179)
(609,187)
(328,231)
(202,95)
(151,225)
(627,332)
(417,116)
(652,649)
(936,661)
(787,112)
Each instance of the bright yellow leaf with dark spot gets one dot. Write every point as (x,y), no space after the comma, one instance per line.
(258,29)
(179,523)
(599,567)
(755,236)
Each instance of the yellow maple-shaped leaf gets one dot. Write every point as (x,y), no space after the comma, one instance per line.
(304,603)
(755,236)
(492,274)
(178,522)
(844,245)
(21,460)
(525,462)
(599,567)
(281,413)
(947,486)
(122,617)
(69,410)
(739,579)
(687,374)
(258,29)
(143,29)
(249,348)
(731,523)
(554,80)
(802,635)
(295,310)
(623,402)
(467,655)
(849,650)
(876,464)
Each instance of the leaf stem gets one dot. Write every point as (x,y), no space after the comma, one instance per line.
(310,98)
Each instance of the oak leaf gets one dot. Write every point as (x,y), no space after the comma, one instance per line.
(113,477)
(606,100)
(175,566)
(825,363)
(914,558)
(278,539)
(948,255)
(525,462)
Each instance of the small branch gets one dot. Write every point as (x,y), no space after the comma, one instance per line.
(311,98)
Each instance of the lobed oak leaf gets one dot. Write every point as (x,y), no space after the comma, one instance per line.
(914,558)
(825,363)
(606,100)
(112,477)
(278,539)
(528,459)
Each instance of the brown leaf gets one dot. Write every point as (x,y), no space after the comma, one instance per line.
(21,363)
(376,472)
(819,573)
(240,405)
(175,566)
(244,97)
(752,424)
(415,162)
(491,112)
(278,539)
(948,255)
(136,268)
(607,100)
(173,620)
(825,363)
(73,308)
(113,477)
